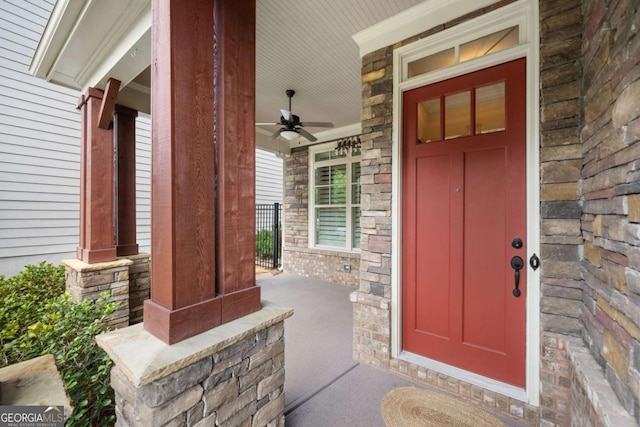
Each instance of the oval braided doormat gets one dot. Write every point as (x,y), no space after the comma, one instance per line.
(413,407)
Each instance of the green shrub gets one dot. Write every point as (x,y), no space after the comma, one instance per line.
(37,318)
(264,244)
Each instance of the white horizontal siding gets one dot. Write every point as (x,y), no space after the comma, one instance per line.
(39,147)
(268,177)
(143,182)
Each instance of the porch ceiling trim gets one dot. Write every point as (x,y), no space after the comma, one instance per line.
(64,15)
(414,20)
(87,42)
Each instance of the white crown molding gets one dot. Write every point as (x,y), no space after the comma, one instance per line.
(71,55)
(62,20)
(133,24)
(412,21)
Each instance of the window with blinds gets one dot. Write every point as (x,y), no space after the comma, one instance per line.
(335,199)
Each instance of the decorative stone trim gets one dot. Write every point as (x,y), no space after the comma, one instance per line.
(593,400)
(230,375)
(89,281)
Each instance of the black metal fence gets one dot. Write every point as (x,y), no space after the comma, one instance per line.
(269,236)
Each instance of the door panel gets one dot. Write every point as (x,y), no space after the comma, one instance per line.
(463,202)
(433,206)
(484,273)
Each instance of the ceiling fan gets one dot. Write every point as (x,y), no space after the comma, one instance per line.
(292,127)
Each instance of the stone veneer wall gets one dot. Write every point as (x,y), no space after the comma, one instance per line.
(297,257)
(241,385)
(593,401)
(561,25)
(611,193)
(139,286)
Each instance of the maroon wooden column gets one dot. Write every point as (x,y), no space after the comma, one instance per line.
(96,184)
(183,295)
(198,119)
(124,129)
(235,144)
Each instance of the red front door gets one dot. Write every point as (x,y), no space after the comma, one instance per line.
(464,195)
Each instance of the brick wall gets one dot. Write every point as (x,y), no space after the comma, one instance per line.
(555,380)
(371,329)
(611,192)
(297,257)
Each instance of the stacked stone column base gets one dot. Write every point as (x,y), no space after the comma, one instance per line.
(126,279)
(232,375)
(89,281)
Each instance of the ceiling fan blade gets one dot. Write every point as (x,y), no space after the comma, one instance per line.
(268,124)
(275,135)
(317,124)
(286,114)
(307,135)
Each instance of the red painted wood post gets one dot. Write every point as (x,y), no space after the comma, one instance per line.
(235,144)
(96,184)
(124,127)
(183,295)
(203,136)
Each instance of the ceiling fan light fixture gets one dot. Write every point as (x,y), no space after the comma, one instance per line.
(289,134)
(290,125)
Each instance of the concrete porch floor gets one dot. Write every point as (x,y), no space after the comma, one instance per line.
(324,386)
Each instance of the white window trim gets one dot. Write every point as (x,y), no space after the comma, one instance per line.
(330,146)
(524,13)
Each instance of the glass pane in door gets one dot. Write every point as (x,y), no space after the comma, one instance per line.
(457,115)
(429,121)
(490,109)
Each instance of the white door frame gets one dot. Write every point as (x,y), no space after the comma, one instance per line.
(525,14)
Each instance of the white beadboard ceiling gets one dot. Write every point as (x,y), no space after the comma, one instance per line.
(306,45)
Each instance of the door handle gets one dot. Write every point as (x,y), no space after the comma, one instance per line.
(517,263)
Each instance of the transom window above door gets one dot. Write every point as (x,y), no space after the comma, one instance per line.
(475,111)
(463,52)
